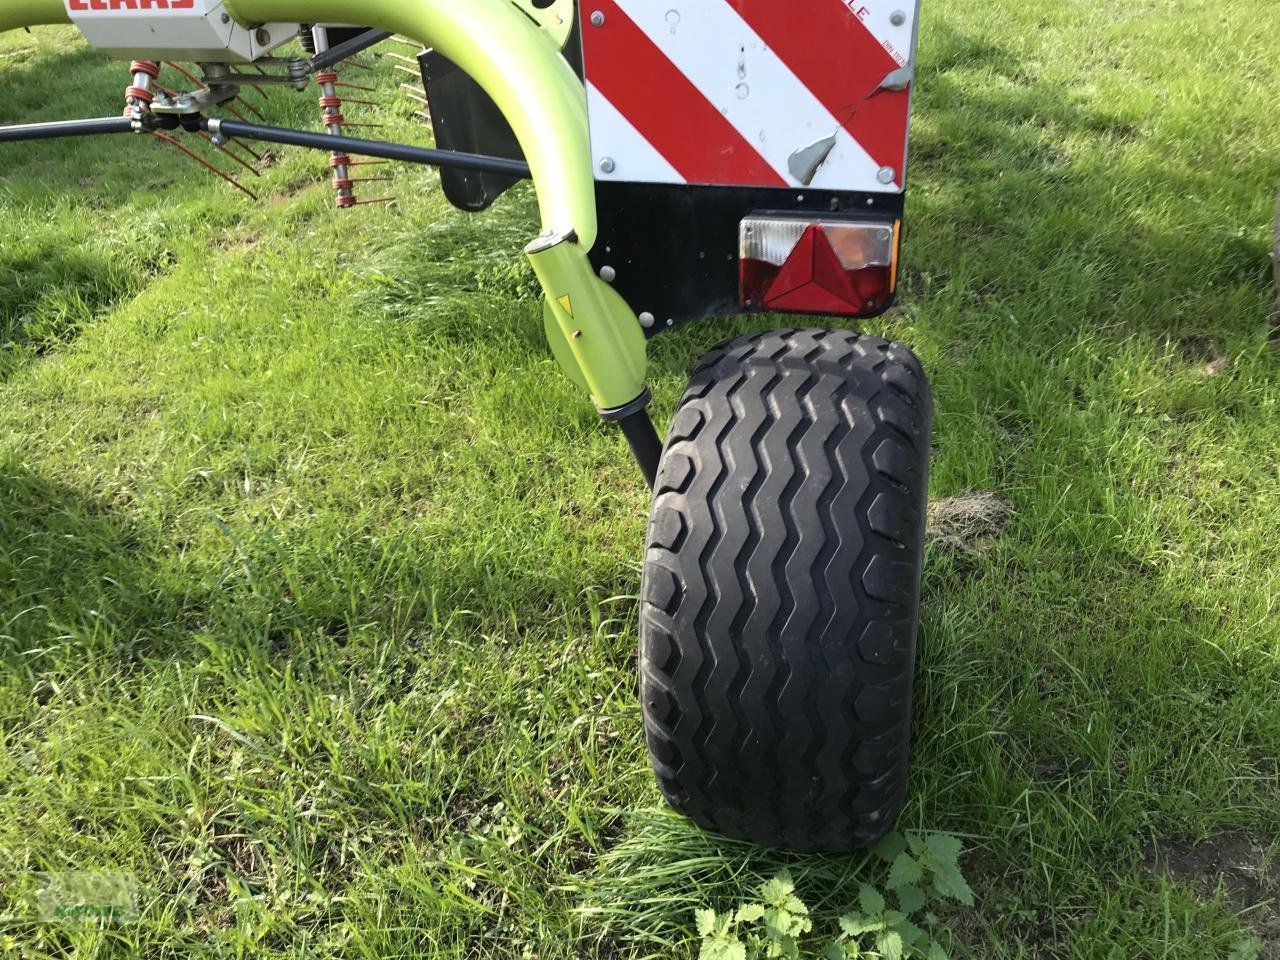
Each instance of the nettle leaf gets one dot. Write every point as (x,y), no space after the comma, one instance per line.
(723,950)
(906,870)
(936,952)
(782,945)
(949,882)
(910,899)
(890,847)
(889,945)
(855,926)
(788,923)
(916,843)
(870,900)
(706,920)
(749,913)
(910,933)
(778,888)
(944,848)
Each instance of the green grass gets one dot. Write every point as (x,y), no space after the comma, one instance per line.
(317,581)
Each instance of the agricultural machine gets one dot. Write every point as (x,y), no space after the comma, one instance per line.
(691,158)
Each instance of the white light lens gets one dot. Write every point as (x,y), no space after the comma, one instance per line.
(858,244)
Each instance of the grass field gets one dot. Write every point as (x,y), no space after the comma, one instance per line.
(317,581)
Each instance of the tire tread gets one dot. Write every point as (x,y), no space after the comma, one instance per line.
(781,588)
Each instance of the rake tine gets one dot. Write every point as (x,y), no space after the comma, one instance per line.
(248,149)
(206,164)
(251,108)
(186,73)
(411,91)
(244,163)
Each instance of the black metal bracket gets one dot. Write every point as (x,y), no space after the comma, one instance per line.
(340,51)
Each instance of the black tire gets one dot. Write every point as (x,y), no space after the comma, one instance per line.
(781,589)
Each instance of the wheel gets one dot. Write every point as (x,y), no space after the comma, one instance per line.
(781,589)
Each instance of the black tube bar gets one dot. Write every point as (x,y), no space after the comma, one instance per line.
(65,128)
(346,48)
(646,445)
(368,148)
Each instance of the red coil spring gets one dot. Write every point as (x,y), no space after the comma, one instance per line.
(331,114)
(135,95)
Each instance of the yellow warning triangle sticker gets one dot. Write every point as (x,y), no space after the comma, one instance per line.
(567,304)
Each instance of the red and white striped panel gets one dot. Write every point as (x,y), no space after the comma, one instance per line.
(771,93)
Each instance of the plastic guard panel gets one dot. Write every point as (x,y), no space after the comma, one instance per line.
(750,93)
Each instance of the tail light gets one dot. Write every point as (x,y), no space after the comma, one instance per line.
(831,266)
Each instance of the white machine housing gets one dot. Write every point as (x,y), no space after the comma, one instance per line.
(200,30)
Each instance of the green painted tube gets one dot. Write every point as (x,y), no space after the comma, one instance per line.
(593,334)
(518,67)
(31,13)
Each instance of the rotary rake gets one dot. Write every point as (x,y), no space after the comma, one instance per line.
(334,101)
(692,158)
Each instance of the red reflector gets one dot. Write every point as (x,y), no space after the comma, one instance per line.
(832,267)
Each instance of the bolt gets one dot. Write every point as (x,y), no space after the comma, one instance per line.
(262,36)
(226,18)
(898,18)
(218,140)
(607,165)
(647,319)
(577,334)
(597,18)
(887,175)
(608,274)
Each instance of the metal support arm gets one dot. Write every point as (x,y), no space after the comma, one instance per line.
(365,148)
(58,129)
